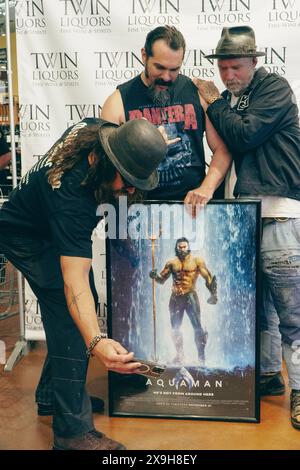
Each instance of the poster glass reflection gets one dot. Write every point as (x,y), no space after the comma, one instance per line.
(182,293)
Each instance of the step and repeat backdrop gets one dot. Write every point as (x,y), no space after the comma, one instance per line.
(73,53)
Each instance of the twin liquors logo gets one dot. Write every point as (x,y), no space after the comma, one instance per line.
(284,13)
(35,120)
(148,14)
(275,59)
(74,16)
(219,13)
(113,67)
(55,68)
(195,65)
(77,112)
(30,17)
(85,16)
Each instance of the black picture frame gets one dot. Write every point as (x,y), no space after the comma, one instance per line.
(225,387)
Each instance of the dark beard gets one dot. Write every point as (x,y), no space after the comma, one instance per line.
(182,254)
(106,195)
(136,197)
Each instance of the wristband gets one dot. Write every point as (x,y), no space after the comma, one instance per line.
(93,343)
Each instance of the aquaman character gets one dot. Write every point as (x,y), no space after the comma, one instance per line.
(185,270)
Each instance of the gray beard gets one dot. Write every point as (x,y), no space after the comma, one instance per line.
(160,98)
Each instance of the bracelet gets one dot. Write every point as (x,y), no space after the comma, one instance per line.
(93,343)
(215,99)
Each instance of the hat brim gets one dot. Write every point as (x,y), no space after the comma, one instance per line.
(147,184)
(234,56)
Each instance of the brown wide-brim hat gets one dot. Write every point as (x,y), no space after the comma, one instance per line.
(135,148)
(236,42)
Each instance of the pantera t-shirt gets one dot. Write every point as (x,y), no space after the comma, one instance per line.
(183,167)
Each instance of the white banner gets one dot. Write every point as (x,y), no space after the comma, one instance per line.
(73,53)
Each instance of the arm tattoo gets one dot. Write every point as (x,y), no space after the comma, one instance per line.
(74,299)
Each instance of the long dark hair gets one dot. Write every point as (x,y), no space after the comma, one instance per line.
(180,240)
(79,143)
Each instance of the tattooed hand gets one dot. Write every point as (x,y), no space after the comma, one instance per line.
(207,89)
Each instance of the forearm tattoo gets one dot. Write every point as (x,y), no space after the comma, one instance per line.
(73,303)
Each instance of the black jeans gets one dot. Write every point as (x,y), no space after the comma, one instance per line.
(63,378)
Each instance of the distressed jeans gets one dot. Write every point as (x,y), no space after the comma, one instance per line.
(280,254)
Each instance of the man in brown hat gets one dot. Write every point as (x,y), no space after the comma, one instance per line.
(45,231)
(257,116)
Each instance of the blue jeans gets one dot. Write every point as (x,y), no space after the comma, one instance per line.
(280,253)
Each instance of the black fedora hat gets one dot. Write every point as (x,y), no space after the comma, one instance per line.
(236,42)
(135,148)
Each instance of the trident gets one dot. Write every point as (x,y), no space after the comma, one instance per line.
(153,239)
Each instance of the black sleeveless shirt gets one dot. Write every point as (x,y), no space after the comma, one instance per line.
(183,168)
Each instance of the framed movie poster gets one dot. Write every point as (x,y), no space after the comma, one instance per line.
(183,294)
